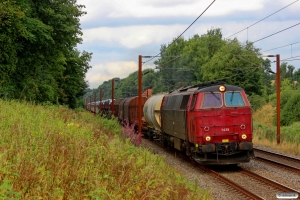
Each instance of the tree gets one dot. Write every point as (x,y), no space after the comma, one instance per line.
(168,64)
(198,51)
(237,65)
(43,56)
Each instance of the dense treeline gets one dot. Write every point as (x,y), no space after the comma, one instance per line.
(39,61)
(208,58)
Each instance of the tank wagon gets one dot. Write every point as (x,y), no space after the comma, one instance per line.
(211,122)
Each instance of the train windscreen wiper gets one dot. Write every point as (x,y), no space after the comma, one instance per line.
(215,95)
(231,98)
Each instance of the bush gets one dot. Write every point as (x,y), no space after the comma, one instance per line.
(291,110)
(256,101)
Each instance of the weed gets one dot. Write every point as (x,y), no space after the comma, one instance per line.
(51,152)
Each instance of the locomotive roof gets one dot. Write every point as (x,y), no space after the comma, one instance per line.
(216,88)
(205,87)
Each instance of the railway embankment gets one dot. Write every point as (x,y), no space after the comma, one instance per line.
(51,152)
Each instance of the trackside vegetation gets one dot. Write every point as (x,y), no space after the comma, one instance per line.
(51,152)
(265,131)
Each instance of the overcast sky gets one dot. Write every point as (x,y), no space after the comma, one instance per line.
(117,31)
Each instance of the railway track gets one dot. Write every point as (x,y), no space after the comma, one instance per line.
(238,189)
(231,185)
(266,188)
(287,162)
(243,183)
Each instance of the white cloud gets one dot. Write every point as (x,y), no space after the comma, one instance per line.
(137,36)
(229,15)
(132,36)
(166,8)
(103,72)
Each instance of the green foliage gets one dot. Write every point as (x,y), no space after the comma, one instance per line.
(7,192)
(256,101)
(288,134)
(291,110)
(38,59)
(286,71)
(51,152)
(236,65)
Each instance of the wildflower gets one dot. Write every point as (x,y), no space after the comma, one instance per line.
(78,125)
(71,124)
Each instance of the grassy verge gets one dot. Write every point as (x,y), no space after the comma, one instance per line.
(55,153)
(265,133)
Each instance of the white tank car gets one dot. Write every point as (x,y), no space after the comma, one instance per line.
(152,112)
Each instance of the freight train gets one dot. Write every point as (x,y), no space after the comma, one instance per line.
(210,122)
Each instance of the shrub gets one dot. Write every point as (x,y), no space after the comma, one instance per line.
(257,101)
(291,110)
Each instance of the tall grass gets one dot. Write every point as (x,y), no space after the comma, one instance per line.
(55,153)
(265,133)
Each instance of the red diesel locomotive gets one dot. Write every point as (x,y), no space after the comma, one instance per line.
(211,122)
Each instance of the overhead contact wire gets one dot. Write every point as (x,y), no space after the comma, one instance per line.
(262,19)
(280,47)
(276,33)
(184,31)
(169,61)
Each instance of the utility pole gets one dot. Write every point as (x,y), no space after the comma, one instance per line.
(277,95)
(112,95)
(95,109)
(140,98)
(90,108)
(100,99)
(86,103)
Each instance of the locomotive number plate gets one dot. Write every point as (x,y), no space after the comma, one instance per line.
(225,140)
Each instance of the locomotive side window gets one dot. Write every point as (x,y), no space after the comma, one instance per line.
(184,102)
(234,98)
(212,100)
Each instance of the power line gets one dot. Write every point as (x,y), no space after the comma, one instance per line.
(262,19)
(184,30)
(169,61)
(276,33)
(228,77)
(292,60)
(286,59)
(255,65)
(280,47)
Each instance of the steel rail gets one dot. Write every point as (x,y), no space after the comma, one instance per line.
(267,181)
(243,191)
(272,162)
(280,156)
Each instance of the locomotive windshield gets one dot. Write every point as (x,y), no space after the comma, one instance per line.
(212,100)
(234,98)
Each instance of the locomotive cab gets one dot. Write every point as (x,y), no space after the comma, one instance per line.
(220,125)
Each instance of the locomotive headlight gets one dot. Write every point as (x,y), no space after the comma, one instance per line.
(222,88)
(244,136)
(207,138)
